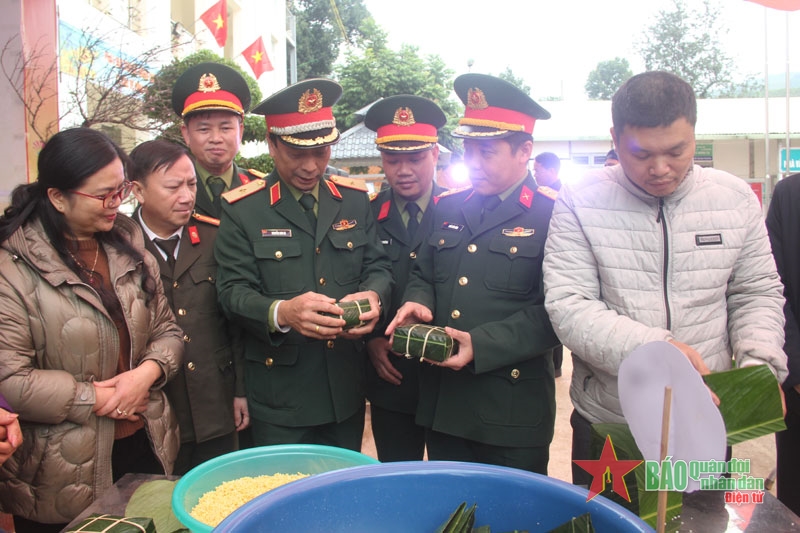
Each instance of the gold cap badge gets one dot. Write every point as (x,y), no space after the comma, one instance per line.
(476,99)
(208,84)
(404,117)
(310,101)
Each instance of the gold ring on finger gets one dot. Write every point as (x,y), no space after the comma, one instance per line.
(317,328)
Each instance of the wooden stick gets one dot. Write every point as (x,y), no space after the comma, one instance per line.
(661,517)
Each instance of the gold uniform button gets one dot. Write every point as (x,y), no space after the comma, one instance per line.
(463,280)
(322,281)
(182,312)
(174,284)
(455,314)
(278,254)
(190,366)
(513,249)
(330,344)
(269,361)
(187,338)
(515,373)
(350,245)
(212,279)
(413,255)
(472,248)
(317,250)
(441,242)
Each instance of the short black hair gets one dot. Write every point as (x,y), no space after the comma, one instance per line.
(151,156)
(517,139)
(653,99)
(548,160)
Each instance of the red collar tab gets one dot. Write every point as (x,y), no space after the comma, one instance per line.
(384,210)
(526,196)
(244,178)
(333,190)
(194,235)
(275,194)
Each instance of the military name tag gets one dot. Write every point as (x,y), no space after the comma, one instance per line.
(452,227)
(276,232)
(344,224)
(386,242)
(519,232)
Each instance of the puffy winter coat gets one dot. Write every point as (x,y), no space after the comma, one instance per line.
(55,339)
(623,268)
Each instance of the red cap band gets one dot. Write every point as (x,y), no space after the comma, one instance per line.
(503,119)
(287,120)
(414,132)
(199,100)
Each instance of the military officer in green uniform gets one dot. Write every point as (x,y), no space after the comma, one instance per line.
(208,393)
(212,99)
(288,249)
(480,275)
(407,137)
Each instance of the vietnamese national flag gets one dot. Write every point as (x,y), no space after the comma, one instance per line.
(216,18)
(783,5)
(256,57)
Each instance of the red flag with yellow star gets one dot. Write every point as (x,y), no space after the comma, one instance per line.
(607,469)
(256,56)
(783,5)
(216,18)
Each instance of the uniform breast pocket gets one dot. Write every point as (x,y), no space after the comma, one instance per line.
(279,265)
(204,281)
(446,245)
(513,264)
(349,248)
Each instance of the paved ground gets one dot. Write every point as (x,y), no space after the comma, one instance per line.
(761,452)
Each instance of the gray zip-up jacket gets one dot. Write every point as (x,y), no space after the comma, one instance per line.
(623,268)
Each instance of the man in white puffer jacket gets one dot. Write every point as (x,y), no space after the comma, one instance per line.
(657,248)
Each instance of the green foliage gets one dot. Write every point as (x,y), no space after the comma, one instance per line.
(686,42)
(606,78)
(375,71)
(509,76)
(158,98)
(262,162)
(319,33)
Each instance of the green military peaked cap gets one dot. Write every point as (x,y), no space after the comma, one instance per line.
(405,123)
(210,87)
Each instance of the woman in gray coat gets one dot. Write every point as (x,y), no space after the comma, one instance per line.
(87,338)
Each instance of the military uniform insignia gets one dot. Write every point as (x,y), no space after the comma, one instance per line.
(386,242)
(333,190)
(344,224)
(208,84)
(453,191)
(204,218)
(194,235)
(519,232)
(452,227)
(476,99)
(526,196)
(276,233)
(404,117)
(275,194)
(350,183)
(384,212)
(373,195)
(310,101)
(547,191)
(257,173)
(243,191)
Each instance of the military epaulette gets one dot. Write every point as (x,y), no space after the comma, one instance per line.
(450,192)
(243,191)
(257,173)
(350,183)
(547,191)
(373,195)
(207,219)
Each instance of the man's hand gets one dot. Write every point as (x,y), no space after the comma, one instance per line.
(409,313)
(241,414)
(464,355)
(696,359)
(378,351)
(370,317)
(302,314)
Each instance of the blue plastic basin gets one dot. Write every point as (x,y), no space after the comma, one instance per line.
(264,460)
(419,496)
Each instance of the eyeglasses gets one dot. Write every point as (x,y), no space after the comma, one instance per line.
(109,200)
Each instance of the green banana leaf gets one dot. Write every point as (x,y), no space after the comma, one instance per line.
(579,524)
(643,502)
(154,499)
(750,402)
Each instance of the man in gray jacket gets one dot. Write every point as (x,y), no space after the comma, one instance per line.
(657,248)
